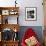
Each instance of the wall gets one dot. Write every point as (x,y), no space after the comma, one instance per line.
(31,3)
(26,3)
(36,29)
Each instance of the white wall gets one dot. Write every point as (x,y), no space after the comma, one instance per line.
(31,3)
(27,3)
(7,3)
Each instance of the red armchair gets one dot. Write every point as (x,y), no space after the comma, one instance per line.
(30,34)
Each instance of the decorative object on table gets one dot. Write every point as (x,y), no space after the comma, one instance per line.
(7,34)
(30,38)
(31,13)
(13,12)
(15,37)
(15,34)
(15,2)
(6,21)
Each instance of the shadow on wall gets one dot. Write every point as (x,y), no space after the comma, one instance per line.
(37,29)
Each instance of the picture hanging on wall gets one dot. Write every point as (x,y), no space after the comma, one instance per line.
(31,13)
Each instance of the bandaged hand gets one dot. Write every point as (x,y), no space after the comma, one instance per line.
(32,41)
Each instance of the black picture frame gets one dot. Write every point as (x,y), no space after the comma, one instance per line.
(31,13)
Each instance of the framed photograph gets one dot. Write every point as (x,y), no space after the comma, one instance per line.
(5,12)
(31,13)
